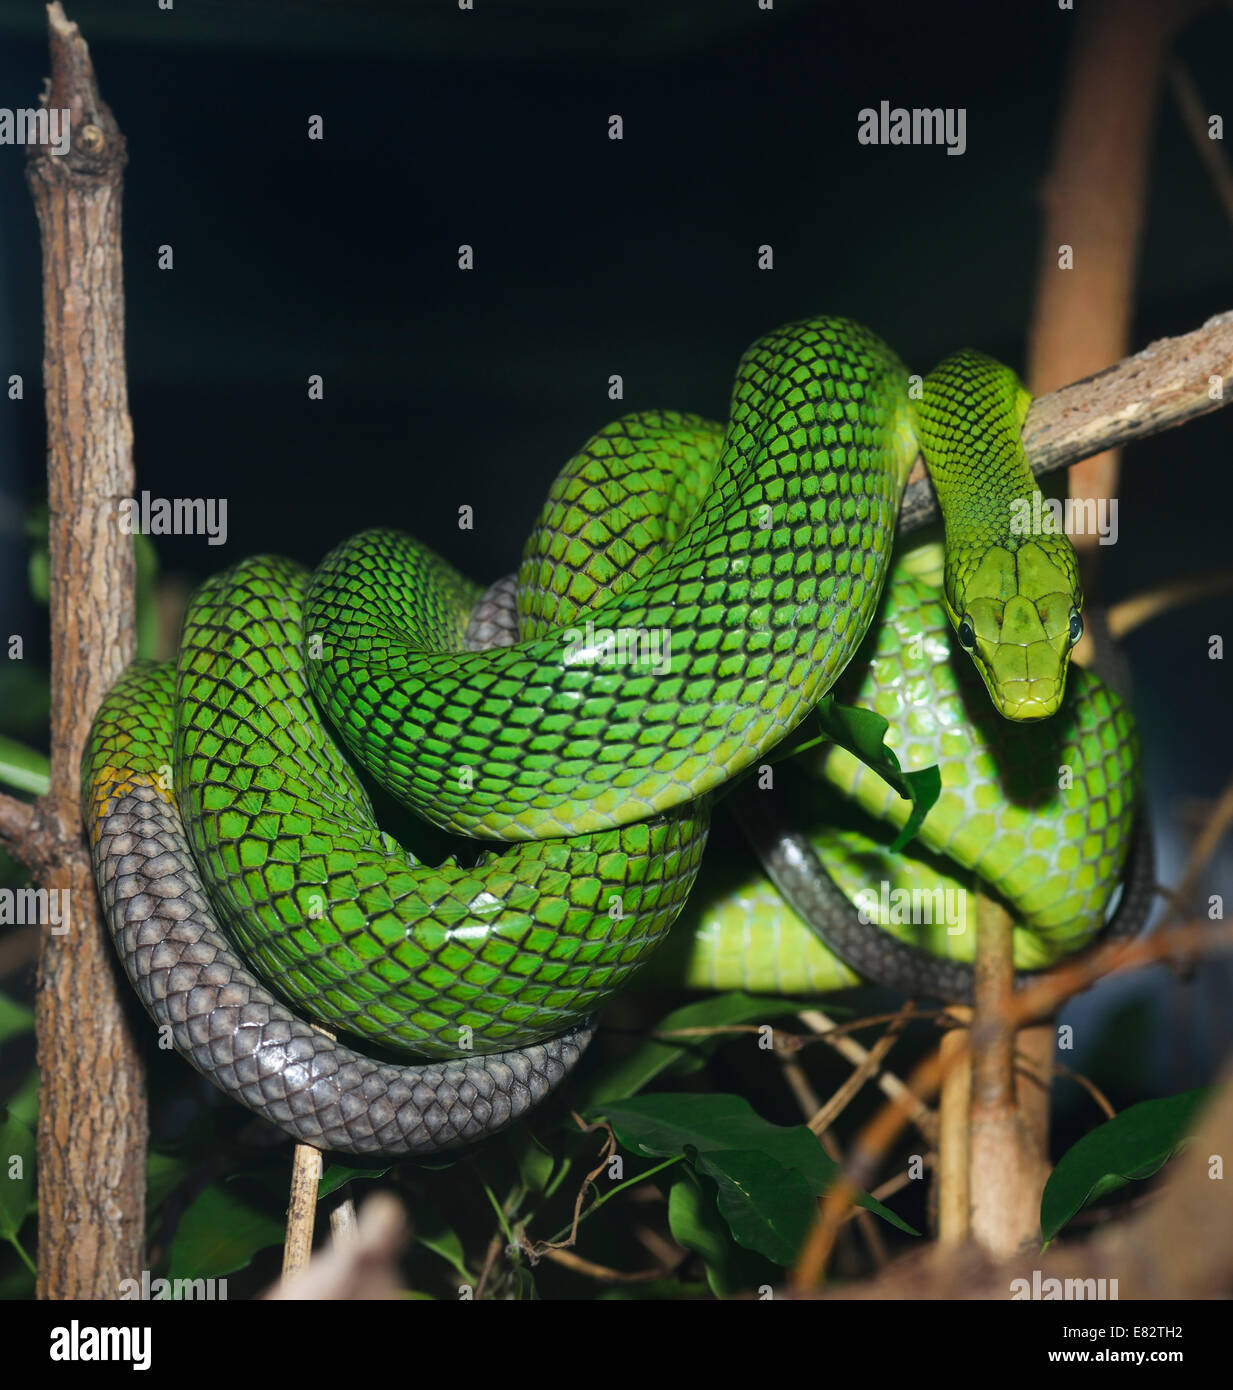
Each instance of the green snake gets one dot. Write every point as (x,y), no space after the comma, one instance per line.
(688,596)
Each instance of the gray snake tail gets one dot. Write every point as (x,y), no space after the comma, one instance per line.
(230,1027)
(794,867)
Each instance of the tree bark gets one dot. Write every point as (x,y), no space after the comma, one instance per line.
(92,1127)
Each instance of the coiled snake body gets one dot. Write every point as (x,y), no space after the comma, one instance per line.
(687,598)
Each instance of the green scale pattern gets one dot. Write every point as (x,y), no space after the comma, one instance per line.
(131,737)
(759,552)
(516,743)
(1017,589)
(349,925)
(1053,853)
(1041,811)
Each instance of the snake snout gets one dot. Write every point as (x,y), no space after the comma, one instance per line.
(1025,703)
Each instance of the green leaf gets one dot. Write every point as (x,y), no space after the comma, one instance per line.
(1134,1144)
(164,1173)
(664,1125)
(630,1074)
(535,1163)
(39,576)
(861,732)
(17,1149)
(695,1224)
(768,1207)
(336,1174)
(434,1235)
(22,768)
(15,1018)
(24,1102)
(218,1235)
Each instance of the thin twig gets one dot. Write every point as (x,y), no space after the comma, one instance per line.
(364,1268)
(343,1224)
(605,1153)
(1038,999)
(1217,825)
(836,1034)
(867,1065)
(1089,1086)
(569,1260)
(952,1185)
(865,1223)
(1179,1245)
(306,1168)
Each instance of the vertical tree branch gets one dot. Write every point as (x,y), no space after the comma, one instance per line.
(92,1114)
(953,1173)
(1094,203)
(1008,1167)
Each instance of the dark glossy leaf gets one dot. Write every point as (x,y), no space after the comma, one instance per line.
(219,1234)
(768,1207)
(862,732)
(695,1223)
(665,1125)
(1134,1144)
(431,1232)
(336,1174)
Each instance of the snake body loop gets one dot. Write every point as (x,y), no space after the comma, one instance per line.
(688,596)
(223,1019)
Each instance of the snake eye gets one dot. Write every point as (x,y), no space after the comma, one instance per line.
(1076,626)
(967,637)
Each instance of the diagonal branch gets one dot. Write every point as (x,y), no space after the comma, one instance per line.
(1171,382)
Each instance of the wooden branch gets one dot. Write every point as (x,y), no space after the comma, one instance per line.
(1094,203)
(1179,1247)
(18,831)
(1168,384)
(952,1173)
(92,1106)
(306,1168)
(1007,1169)
(1036,1000)
(364,1267)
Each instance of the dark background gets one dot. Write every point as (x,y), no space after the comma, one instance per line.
(593,257)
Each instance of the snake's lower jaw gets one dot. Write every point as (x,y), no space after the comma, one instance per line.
(1028,701)
(1029,710)
(1026,680)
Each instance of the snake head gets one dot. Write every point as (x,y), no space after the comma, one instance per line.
(1019,612)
